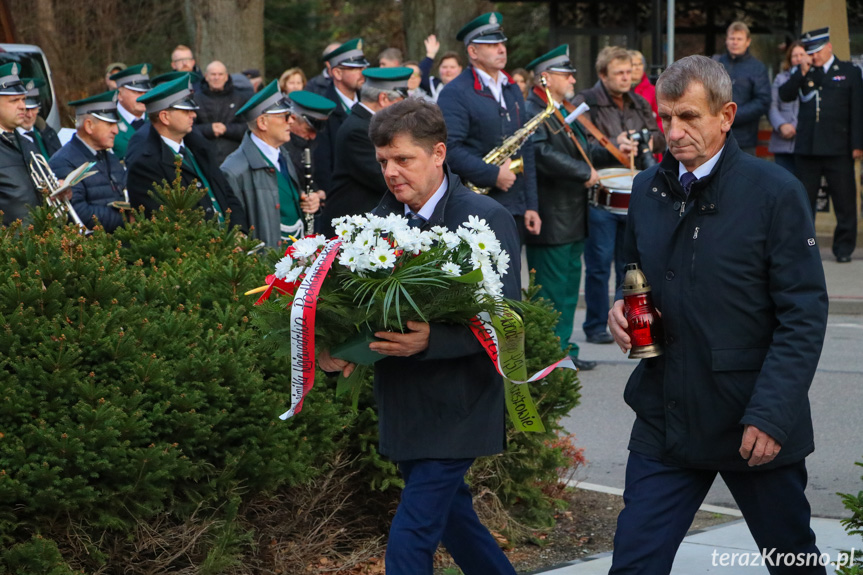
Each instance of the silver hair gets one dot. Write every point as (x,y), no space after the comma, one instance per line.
(672,83)
(79,120)
(369,94)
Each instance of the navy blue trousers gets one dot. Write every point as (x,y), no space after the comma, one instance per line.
(661,500)
(437,506)
(602,248)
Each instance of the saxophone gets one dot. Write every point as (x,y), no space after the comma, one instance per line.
(509,147)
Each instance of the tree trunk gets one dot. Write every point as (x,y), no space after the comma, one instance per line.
(444,18)
(231,31)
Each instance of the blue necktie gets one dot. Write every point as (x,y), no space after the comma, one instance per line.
(686,180)
(416,221)
(283,166)
(136,124)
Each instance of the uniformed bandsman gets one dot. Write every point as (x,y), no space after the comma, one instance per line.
(131,83)
(482,107)
(262,175)
(34,127)
(346,64)
(829,132)
(358,183)
(98,198)
(17,192)
(171,112)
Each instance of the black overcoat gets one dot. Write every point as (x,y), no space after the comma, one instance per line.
(448,401)
(737,275)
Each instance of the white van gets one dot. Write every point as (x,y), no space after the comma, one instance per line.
(33,64)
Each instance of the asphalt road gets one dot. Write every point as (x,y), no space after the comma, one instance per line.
(602,422)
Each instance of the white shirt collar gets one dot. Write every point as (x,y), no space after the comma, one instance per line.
(23,132)
(703,169)
(828,64)
(86,145)
(372,112)
(171,143)
(349,102)
(428,208)
(495,87)
(270,152)
(127,115)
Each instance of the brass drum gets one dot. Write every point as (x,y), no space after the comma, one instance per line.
(613,190)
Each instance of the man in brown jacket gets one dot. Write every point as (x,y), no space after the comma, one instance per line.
(616,112)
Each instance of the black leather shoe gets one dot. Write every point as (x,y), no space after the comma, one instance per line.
(843,259)
(582,364)
(602,337)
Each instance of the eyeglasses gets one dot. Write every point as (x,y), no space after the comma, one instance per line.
(183,60)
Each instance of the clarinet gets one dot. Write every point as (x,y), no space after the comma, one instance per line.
(310,189)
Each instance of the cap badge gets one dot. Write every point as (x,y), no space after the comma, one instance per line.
(492,19)
(14,69)
(144,69)
(359,44)
(30,85)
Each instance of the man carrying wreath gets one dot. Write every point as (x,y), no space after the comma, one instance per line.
(440,399)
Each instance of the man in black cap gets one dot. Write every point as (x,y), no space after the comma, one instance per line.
(17,192)
(829,132)
(346,68)
(34,127)
(171,111)
(101,196)
(483,106)
(357,180)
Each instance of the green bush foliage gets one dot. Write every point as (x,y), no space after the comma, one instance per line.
(853,526)
(139,426)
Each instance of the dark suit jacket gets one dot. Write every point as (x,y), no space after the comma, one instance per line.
(153,162)
(91,196)
(17,192)
(325,151)
(357,184)
(448,401)
(839,125)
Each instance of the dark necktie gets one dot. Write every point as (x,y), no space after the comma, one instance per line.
(9,137)
(686,180)
(283,166)
(416,221)
(31,135)
(136,124)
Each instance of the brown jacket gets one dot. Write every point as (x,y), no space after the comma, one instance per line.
(611,120)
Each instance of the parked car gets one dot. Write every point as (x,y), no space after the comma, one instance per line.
(33,64)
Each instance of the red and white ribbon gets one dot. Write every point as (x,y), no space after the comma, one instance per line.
(303,311)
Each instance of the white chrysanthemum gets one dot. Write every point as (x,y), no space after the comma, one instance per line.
(451,268)
(351,258)
(477,223)
(485,242)
(438,231)
(283,267)
(365,239)
(306,247)
(294,274)
(344,227)
(502,262)
(450,239)
(382,258)
(409,239)
(395,222)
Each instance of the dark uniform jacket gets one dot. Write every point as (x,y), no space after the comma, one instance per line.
(737,275)
(837,128)
(255,183)
(476,123)
(448,401)
(17,192)
(319,84)
(358,183)
(91,196)
(221,107)
(750,89)
(560,175)
(326,148)
(154,162)
(611,120)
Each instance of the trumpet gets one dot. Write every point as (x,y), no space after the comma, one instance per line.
(499,155)
(46,182)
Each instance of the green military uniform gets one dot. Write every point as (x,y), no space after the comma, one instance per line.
(133,78)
